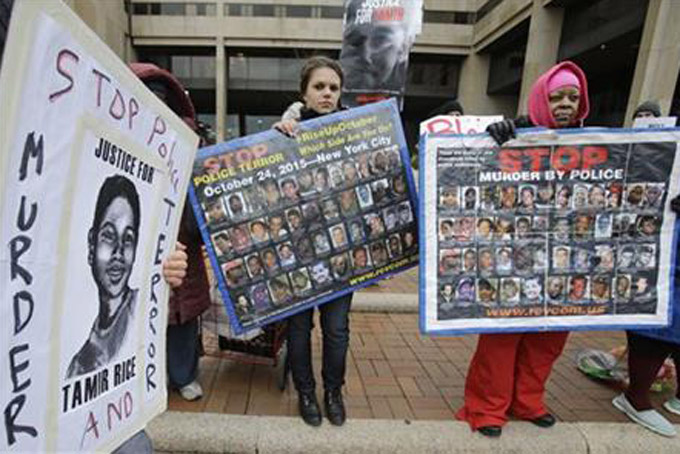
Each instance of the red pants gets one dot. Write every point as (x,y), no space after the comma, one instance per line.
(507,375)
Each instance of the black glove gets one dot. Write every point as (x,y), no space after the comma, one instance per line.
(675,205)
(502,131)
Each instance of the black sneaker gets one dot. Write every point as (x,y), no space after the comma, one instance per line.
(335,408)
(309,408)
(545,421)
(491,431)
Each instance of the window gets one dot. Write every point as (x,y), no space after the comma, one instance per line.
(140,8)
(263,10)
(439,17)
(332,12)
(234,9)
(173,9)
(205,9)
(298,11)
(155,9)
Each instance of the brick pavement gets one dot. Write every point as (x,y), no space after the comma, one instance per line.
(394,372)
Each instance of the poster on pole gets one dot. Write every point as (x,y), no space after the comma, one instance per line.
(93,177)
(553,231)
(376,40)
(294,223)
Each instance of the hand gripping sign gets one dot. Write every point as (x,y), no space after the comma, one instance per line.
(552,231)
(93,172)
(294,223)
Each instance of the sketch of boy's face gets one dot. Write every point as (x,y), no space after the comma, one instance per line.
(112,248)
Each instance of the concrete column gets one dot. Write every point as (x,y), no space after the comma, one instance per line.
(543,44)
(472,89)
(221,67)
(658,62)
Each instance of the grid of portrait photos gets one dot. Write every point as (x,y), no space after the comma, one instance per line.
(546,245)
(284,242)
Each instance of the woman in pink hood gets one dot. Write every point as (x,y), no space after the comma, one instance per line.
(508,372)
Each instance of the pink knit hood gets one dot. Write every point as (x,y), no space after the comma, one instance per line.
(539,105)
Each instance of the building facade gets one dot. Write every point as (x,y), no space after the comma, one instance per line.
(240,59)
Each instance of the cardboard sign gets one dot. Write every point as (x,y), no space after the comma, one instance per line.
(294,223)
(554,231)
(93,174)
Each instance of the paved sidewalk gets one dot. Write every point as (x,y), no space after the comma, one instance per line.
(394,372)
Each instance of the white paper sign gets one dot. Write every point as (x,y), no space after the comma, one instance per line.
(463,124)
(655,122)
(93,172)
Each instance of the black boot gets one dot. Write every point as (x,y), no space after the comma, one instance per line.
(309,408)
(335,408)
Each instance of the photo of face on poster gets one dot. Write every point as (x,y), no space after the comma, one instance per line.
(603,226)
(653,195)
(290,189)
(235,273)
(306,182)
(259,295)
(286,255)
(240,239)
(321,180)
(350,173)
(622,284)
(394,246)
(545,197)
(336,175)
(381,191)
(634,195)
(375,225)
(280,290)
(259,232)
(364,196)
(340,266)
(222,242)
(321,274)
(556,289)
(304,249)
(510,291)
(399,188)
(356,231)
(405,213)
(302,283)
(277,227)
(563,197)
(111,245)
(646,256)
(294,219)
(532,290)
(647,226)
(321,244)
(580,197)
(361,259)
(216,211)
(579,289)
(271,194)
(271,263)
(338,236)
(465,290)
(601,291)
(254,265)
(597,197)
(487,292)
(379,253)
(237,206)
(448,198)
(348,203)
(390,217)
(527,197)
(330,209)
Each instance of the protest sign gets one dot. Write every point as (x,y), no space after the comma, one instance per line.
(293,223)
(376,40)
(655,122)
(553,231)
(93,171)
(461,124)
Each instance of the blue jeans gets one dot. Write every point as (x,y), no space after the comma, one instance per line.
(182,353)
(335,331)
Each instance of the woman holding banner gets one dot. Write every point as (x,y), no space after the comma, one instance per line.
(508,372)
(320,84)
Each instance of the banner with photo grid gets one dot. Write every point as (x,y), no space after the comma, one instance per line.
(553,231)
(293,223)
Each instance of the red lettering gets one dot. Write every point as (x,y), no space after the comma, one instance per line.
(510,160)
(62,56)
(536,155)
(439,125)
(566,158)
(91,426)
(117,101)
(99,76)
(158,127)
(593,156)
(133,107)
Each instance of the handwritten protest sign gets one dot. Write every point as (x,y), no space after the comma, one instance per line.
(554,231)
(93,174)
(293,223)
(655,122)
(461,124)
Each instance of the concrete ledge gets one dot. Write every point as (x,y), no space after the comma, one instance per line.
(176,432)
(385,302)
